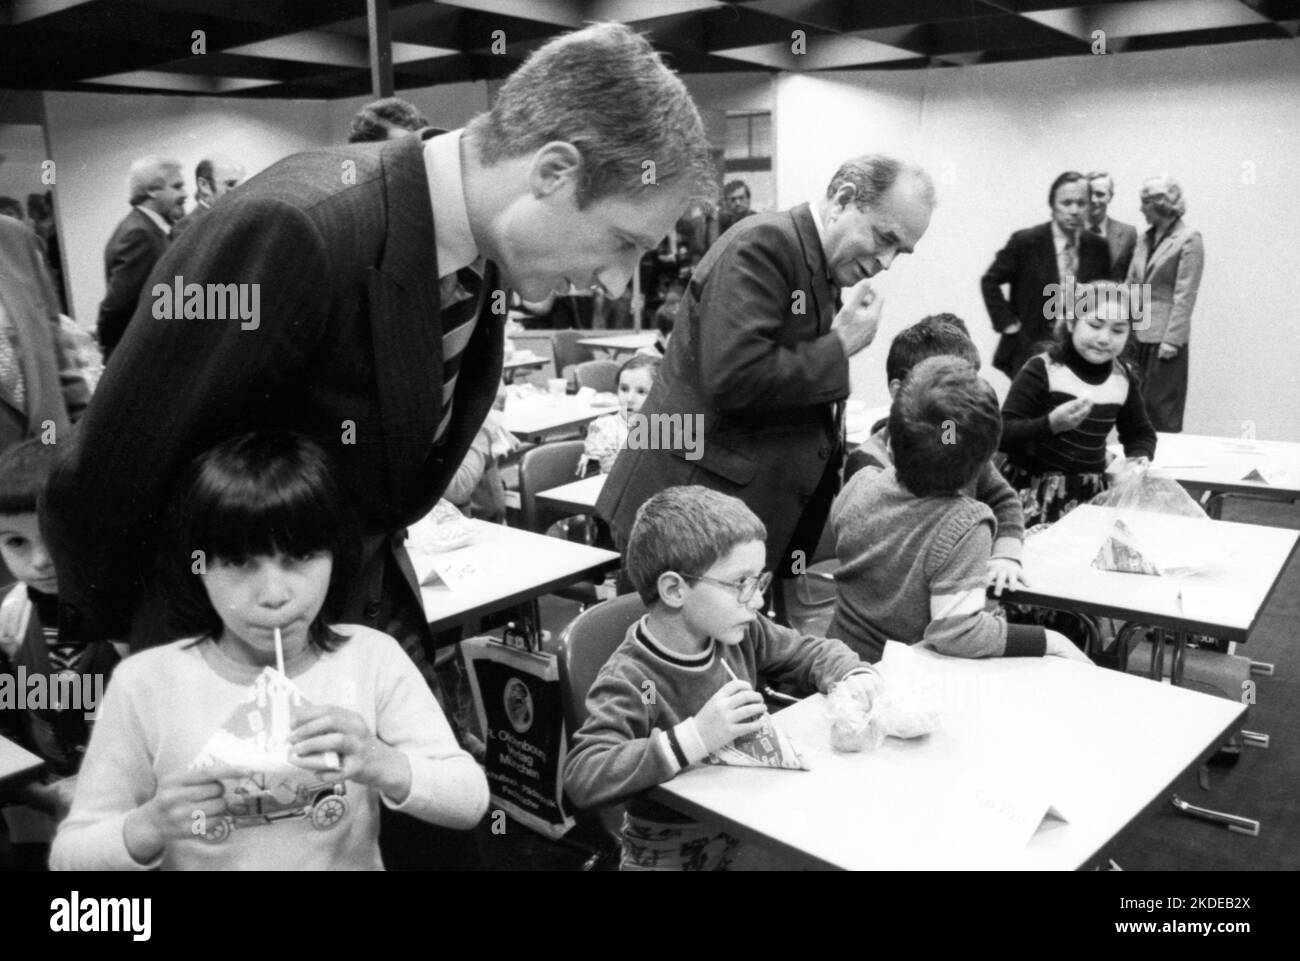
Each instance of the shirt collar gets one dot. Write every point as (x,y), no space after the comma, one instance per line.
(451,232)
(1059,236)
(817,222)
(153,215)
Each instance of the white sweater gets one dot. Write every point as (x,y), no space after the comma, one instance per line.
(164,704)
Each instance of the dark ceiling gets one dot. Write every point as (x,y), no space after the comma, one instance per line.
(318,48)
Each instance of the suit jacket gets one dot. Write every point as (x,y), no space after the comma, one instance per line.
(1028,263)
(56,391)
(752,354)
(189,220)
(1121,238)
(1173,270)
(347,350)
(129,256)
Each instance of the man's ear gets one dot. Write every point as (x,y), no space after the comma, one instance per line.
(894,385)
(846,195)
(555,165)
(672,589)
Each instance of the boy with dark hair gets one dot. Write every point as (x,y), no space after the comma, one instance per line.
(913,546)
(683,684)
(944,335)
(52,717)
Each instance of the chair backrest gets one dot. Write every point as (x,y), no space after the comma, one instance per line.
(585,646)
(599,375)
(540,469)
(567,349)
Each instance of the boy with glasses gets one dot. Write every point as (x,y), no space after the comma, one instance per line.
(684,683)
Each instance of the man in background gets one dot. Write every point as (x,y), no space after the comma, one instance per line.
(386,119)
(1121,237)
(735,204)
(156,189)
(212,178)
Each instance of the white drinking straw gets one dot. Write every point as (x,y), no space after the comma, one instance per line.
(279,652)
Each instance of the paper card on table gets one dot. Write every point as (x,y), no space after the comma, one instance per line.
(1120,552)
(453,569)
(767,747)
(1004,812)
(1274,476)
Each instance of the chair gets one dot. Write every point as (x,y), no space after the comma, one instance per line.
(600,375)
(568,352)
(540,469)
(585,646)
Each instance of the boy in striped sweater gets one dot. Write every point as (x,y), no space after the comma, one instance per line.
(913,545)
(685,681)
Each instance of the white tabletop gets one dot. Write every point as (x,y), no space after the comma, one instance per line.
(17,763)
(1240,566)
(621,341)
(579,496)
(509,566)
(1224,463)
(859,419)
(534,416)
(1013,728)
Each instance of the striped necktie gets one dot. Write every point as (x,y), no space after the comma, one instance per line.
(12,382)
(460,309)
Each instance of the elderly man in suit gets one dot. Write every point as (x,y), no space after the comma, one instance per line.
(1120,237)
(213,177)
(1169,257)
(1037,262)
(760,353)
(41,389)
(157,193)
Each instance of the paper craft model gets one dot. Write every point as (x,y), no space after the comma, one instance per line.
(1119,552)
(767,747)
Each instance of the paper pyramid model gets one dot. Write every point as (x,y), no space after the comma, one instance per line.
(1119,552)
(255,738)
(767,747)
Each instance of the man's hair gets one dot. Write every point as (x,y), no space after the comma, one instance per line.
(1092,175)
(1165,195)
(24,469)
(946,318)
(1069,177)
(686,529)
(943,427)
(872,175)
(148,173)
(932,337)
(373,121)
(731,185)
(666,317)
(203,171)
(605,91)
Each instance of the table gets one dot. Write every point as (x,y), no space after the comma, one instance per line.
(17,764)
(532,419)
(620,344)
(511,566)
(1044,727)
(1218,466)
(1223,601)
(860,419)
(579,497)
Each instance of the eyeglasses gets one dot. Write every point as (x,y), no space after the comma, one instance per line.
(745,588)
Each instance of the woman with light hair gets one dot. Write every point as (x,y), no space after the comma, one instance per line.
(1169,257)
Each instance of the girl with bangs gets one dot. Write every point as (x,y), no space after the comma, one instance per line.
(261,541)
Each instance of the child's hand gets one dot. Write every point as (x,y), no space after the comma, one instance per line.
(183,800)
(1006,575)
(1069,415)
(1132,469)
(365,758)
(1058,645)
(864,687)
(736,709)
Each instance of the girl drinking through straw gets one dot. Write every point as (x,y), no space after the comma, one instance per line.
(182,770)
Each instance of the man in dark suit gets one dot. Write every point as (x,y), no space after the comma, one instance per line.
(760,354)
(157,192)
(1119,236)
(41,390)
(1038,263)
(212,179)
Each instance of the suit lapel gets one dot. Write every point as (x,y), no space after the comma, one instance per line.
(1161,250)
(405,319)
(822,292)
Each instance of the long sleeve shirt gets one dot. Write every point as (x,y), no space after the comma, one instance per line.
(915,569)
(166,702)
(1042,385)
(645,691)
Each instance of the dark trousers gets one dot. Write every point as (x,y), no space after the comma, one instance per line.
(1164,386)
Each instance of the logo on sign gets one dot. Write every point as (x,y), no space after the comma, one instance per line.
(519,705)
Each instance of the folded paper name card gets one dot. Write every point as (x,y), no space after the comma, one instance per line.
(767,747)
